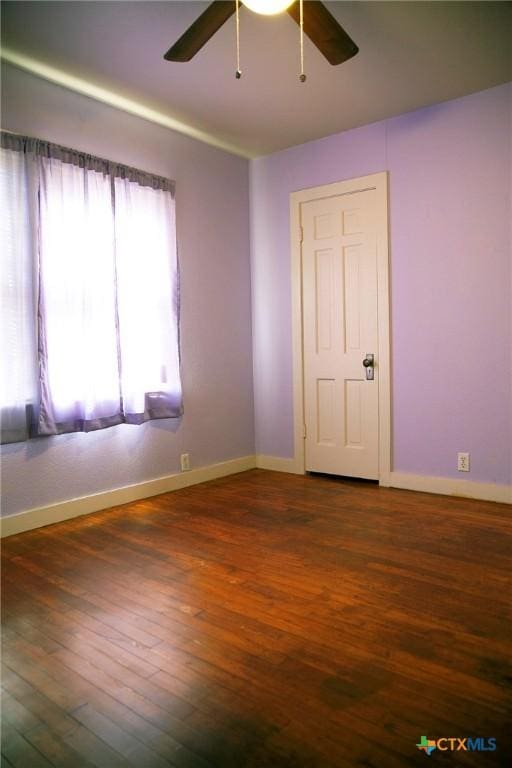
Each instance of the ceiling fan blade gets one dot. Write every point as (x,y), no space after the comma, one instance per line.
(324,31)
(204,27)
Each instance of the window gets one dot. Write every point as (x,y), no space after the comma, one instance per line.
(89,288)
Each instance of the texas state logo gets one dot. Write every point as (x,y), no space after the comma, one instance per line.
(456,744)
(426,745)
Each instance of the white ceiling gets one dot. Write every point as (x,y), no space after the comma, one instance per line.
(412,54)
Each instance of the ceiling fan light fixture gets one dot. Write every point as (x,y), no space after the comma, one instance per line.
(267,7)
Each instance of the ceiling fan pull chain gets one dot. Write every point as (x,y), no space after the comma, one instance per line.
(302,76)
(238,73)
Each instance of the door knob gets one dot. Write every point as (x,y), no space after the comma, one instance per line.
(368,363)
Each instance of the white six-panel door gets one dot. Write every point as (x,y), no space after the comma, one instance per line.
(340,327)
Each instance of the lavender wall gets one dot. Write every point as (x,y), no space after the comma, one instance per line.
(213,240)
(450,183)
(451,252)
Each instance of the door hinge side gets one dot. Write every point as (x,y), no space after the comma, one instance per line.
(301,233)
(304,431)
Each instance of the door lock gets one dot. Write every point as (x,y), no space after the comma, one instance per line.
(369,364)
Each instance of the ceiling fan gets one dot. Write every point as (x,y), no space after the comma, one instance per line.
(319,25)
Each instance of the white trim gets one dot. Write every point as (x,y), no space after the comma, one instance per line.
(65,510)
(448,486)
(378,182)
(35,518)
(86,88)
(277,464)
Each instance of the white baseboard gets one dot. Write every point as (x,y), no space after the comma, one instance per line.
(448,486)
(65,510)
(277,464)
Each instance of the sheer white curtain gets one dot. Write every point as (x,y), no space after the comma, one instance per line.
(77,297)
(17,300)
(99,344)
(148,298)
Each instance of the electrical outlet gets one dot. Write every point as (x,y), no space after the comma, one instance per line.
(463,462)
(185,462)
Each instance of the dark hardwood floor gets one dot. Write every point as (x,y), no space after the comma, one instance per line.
(260,621)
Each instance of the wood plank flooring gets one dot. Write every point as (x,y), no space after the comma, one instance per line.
(260,621)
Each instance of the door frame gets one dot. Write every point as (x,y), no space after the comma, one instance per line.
(378,182)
